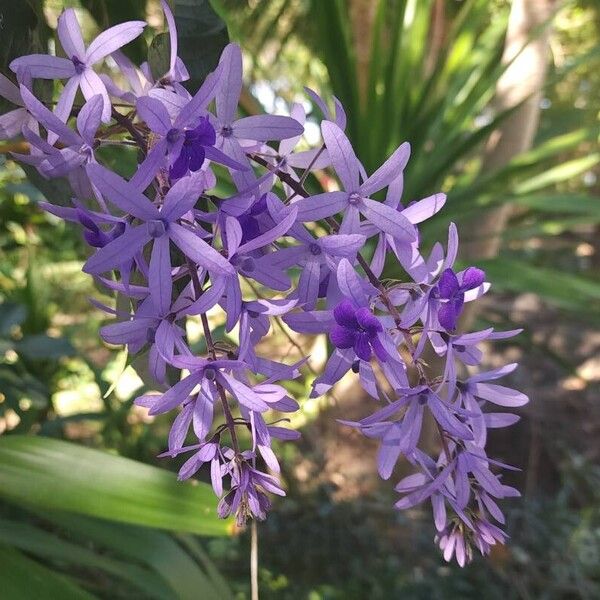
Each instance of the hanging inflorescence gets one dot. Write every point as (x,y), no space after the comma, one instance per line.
(174,249)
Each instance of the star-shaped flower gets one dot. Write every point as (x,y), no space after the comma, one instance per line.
(77,68)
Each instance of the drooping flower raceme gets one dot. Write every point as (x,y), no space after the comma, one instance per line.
(164,241)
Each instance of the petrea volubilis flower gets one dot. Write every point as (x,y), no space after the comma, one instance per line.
(165,241)
(77,68)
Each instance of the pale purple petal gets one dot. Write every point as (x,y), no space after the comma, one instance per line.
(91,84)
(342,156)
(231,83)
(199,251)
(499,420)
(494,373)
(389,171)
(154,114)
(175,395)
(165,339)
(264,273)
(317,321)
(122,193)
(321,206)
(126,332)
(160,275)
(244,395)
(315,159)
(263,128)
(308,284)
(69,34)
(43,66)
(233,235)
(215,155)
(65,101)
(208,298)
(203,416)
(342,245)
(171,101)
(119,251)
(424,209)
(338,365)
(443,415)
(426,491)
(388,220)
(146,172)
(182,197)
(180,427)
(389,451)
(351,285)
(197,105)
(47,118)
(500,395)
(88,119)
(112,39)
(12,122)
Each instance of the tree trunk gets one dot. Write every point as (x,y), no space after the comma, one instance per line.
(524,78)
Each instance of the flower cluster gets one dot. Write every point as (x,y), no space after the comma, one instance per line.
(164,241)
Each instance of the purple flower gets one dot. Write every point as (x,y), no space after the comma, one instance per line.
(188,138)
(453,292)
(77,68)
(355,200)
(247,497)
(193,150)
(257,128)
(79,147)
(357,328)
(158,226)
(250,258)
(12,122)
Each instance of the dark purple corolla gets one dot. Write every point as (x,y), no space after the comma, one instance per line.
(357,328)
(451,292)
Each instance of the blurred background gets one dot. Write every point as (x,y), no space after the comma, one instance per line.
(499,101)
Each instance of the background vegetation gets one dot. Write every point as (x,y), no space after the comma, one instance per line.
(84,509)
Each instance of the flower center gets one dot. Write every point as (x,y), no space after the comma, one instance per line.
(247,264)
(210,374)
(157,228)
(172,135)
(354,198)
(315,249)
(226,131)
(78,64)
(87,151)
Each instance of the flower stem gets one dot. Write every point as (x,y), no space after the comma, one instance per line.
(210,344)
(254,559)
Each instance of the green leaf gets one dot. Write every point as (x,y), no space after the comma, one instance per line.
(202,36)
(49,546)
(41,346)
(563,172)
(155,549)
(58,475)
(562,289)
(56,191)
(11,314)
(562,203)
(159,55)
(23,578)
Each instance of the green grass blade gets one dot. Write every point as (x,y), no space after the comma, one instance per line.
(58,475)
(22,578)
